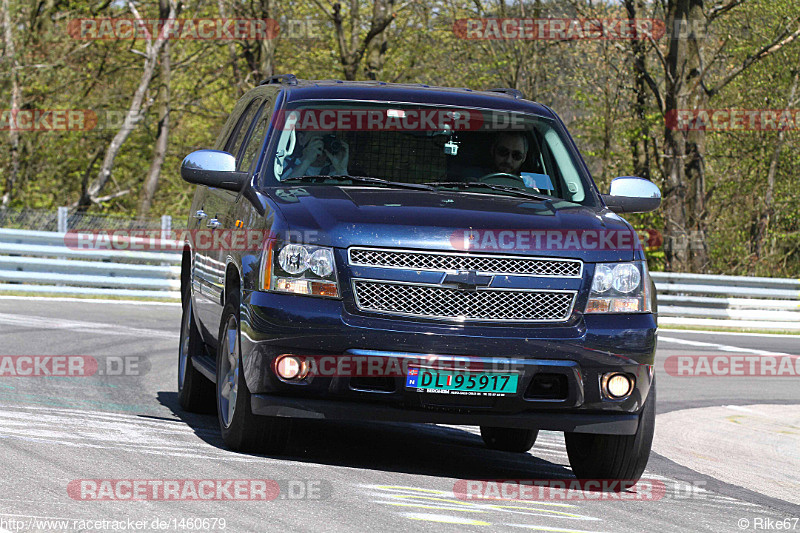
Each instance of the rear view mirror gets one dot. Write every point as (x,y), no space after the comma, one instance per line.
(213,168)
(632,195)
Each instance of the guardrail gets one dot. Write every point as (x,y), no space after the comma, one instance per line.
(41,262)
(738,301)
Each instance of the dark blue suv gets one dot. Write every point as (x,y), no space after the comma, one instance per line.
(375,251)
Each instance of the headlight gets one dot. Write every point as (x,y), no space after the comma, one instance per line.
(299,269)
(602,278)
(620,288)
(293,258)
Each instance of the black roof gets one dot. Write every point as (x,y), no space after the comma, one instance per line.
(379,91)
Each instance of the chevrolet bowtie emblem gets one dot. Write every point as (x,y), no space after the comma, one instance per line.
(468,280)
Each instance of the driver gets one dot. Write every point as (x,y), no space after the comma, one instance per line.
(316,160)
(509,151)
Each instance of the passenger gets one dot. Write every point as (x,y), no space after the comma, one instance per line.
(322,155)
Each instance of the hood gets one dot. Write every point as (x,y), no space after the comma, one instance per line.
(448,221)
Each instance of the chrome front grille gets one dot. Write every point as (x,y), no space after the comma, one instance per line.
(432,301)
(483,264)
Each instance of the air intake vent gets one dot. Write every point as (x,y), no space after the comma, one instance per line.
(454,304)
(448,262)
(378,384)
(548,387)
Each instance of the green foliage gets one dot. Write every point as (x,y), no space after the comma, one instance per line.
(589,83)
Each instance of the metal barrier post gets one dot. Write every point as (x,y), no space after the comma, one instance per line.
(63,213)
(166,230)
(63,227)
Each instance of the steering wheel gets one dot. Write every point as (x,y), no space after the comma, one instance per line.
(501,178)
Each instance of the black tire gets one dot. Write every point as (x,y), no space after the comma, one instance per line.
(241,430)
(195,391)
(509,439)
(622,457)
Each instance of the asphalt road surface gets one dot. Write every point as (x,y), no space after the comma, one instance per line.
(726,452)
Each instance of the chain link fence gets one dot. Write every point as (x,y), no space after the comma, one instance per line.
(30,219)
(69,219)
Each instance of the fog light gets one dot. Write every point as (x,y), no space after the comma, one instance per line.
(617,386)
(289,367)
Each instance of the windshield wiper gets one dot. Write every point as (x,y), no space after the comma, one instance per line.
(480,185)
(359,179)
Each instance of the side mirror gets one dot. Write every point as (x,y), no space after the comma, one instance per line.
(213,169)
(632,195)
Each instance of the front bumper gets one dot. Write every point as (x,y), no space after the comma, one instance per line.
(577,422)
(581,350)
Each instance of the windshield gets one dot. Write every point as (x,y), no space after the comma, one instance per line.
(464,150)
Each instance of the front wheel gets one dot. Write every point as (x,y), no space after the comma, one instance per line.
(241,429)
(622,457)
(509,439)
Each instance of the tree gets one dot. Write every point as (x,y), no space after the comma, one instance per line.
(10,59)
(153,47)
(767,210)
(353,47)
(160,151)
(689,83)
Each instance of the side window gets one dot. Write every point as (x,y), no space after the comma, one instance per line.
(563,168)
(229,126)
(256,139)
(237,137)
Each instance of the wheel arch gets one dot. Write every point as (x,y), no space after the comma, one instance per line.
(233,281)
(186,271)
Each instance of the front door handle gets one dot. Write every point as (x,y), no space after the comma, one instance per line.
(200,214)
(213,223)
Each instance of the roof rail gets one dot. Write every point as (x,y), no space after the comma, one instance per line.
(288,79)
(516,93)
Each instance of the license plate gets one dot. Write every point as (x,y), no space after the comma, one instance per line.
(425,379)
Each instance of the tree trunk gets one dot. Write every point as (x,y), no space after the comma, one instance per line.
(132,117)
(259,54)
(676,199)
(160,152)
(640,151)
(16,96)
(694,158)
(377,48)
(768,209)
(237,74)
(352,49)
(266,54)
(684,168)
(685,193)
